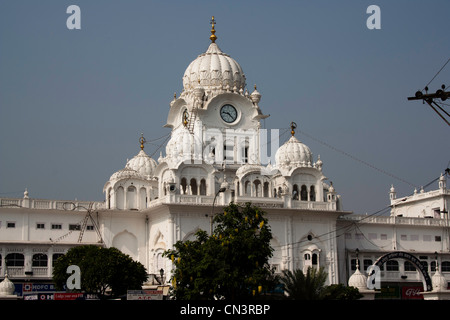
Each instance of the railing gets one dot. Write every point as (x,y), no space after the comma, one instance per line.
(50,204)
(40,271)
(436,222)
(16,271)
(257,201)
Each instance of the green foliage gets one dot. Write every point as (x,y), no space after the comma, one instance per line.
(300,286)
(101,268)
(340,292)
(311,286)
(230,264)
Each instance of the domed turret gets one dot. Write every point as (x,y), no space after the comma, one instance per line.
(140,166)
(213,69)
(293,152)
(6,287)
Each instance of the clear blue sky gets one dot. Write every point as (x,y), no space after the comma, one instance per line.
(74,102)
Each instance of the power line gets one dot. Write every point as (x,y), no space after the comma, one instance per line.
(357,159)
(354,224)
(426,87)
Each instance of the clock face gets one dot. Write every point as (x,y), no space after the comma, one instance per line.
(228,113)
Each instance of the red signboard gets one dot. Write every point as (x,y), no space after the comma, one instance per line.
(412,293)
(67,295)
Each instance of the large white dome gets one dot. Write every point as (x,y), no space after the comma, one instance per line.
(213,69)
(293,153)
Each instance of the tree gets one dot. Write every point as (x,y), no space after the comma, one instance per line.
(232,263)
(101,268)
(311,286)
(340,292)
(301,286)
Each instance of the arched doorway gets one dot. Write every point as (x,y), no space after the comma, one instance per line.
(399,255)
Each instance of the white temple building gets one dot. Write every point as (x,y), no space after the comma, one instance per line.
(216,154)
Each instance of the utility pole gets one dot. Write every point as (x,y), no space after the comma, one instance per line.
(429,98)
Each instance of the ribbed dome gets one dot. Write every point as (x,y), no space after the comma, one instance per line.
(214,69)
(6,287)
(293,153)
(143,164)
(358,280)
(126,173)
(182,144)
(438,281)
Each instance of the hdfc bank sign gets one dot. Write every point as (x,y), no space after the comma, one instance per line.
(412,293)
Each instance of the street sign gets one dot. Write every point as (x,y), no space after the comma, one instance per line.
(144,295)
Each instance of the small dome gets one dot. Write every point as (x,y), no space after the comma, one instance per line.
(358,280)
(213,69)
(293,153)
(255,96)
(143,164)
(183,144)
(6,287)
(125,173)
(438,281)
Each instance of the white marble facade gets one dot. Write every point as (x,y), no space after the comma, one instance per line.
(217,144)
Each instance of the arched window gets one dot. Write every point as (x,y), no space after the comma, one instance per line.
(120,198)
(247,187)
(312,194)
(274,192)
(353,264)
(228,151)
(193,186)
(257,184)
(392,265)
(183,185)
(409,266)
(445,267)
(304,193)
(203,187)
(143,198)
(109,198)
(266,189)
(131,197)
(40,260)
(55,257)
(244,151)
(159,262)
(314,259)
(15,260)
(280,191)
(295,192)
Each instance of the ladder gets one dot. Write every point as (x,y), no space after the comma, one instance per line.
(191,121)
(84,225)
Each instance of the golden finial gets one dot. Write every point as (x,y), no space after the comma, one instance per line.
(142,141)
(293,127)
(213,37)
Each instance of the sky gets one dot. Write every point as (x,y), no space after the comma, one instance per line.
(73,103)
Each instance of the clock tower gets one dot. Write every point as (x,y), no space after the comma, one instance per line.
(215,123)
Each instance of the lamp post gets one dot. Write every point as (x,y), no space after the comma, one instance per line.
(223,189)
(161,273)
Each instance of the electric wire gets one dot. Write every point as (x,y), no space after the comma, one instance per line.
(437,74)
(356,159)
(353,224)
